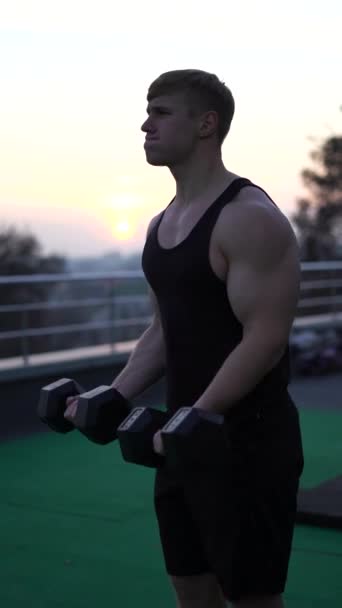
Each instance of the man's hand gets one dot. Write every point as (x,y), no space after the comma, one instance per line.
(70,412)
(158,443)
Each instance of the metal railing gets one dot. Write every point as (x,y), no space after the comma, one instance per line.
(45,313)
(321,290)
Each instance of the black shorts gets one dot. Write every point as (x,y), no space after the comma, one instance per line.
(237,522)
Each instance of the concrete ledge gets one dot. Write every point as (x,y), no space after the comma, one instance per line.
(62,362)
(61,369)
(318,321)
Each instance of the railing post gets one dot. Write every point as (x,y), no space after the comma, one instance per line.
(333,275)
(24,340)
(112,316)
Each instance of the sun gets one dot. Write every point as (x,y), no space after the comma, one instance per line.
(120,214)
(123,230)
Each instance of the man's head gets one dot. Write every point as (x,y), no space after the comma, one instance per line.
(186,108)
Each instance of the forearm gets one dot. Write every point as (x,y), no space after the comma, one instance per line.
(243,369)
(145,365)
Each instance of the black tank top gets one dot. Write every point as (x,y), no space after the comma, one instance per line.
(199,325)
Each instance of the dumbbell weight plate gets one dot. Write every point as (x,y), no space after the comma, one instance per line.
(52,404)
(100,412)
(136,433)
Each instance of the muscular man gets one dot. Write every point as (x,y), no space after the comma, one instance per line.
(223,269)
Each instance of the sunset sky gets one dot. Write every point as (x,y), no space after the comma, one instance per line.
(74,76)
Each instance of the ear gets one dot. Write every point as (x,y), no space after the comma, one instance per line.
(208,124)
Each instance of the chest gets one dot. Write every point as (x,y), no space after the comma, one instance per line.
(177,225)
(189,229)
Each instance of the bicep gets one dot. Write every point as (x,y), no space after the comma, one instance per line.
(154,306)
(263,285)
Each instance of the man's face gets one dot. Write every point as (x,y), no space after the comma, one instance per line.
(171,133)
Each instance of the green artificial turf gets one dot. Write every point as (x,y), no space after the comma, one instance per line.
(78,526)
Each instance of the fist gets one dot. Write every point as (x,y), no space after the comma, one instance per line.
(158,443)
(71,409)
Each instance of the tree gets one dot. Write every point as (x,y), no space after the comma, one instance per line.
(318,219)
(20,254)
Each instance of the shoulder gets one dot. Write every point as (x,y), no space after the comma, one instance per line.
(253,224)
(153,222)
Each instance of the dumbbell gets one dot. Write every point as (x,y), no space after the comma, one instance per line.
(99,413)
(136,433)
(52,404)
(195,440)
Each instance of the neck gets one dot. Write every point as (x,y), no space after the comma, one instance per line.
(198,177)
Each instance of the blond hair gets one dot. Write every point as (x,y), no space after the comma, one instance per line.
(203,92)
